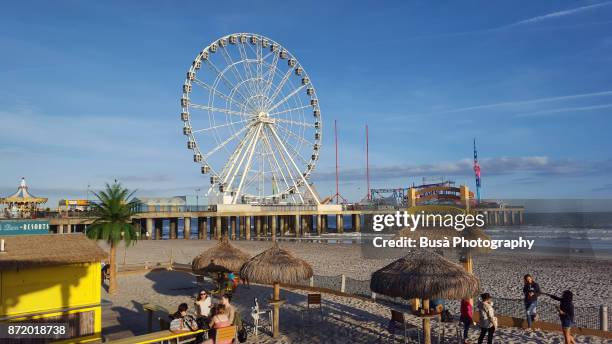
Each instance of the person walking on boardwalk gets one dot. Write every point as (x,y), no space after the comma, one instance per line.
(566,314)
(487,321)
(531,291)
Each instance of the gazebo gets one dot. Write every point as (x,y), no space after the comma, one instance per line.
(425,275)
(22,203)
(275,266)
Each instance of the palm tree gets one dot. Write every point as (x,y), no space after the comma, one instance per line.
(112,223)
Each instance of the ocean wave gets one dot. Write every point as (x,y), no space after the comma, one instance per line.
(562,238)
(577,231)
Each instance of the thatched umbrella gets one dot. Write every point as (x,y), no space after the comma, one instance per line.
(224,257)
(436,233)
(212,268)
(425,275)
(472,233)
(275,266)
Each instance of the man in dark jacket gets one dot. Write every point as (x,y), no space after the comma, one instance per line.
(531,291)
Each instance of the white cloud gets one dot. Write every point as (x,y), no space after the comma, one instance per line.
(559,14)
(517,103)
(530,165)
(565,109)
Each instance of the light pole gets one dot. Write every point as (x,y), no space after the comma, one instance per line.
(86,205)
(197,199)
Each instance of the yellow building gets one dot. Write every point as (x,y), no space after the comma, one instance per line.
(52,279)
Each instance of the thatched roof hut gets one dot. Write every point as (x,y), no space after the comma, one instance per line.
(276,265)
(223,257)
(424,274)
(24,251)
(436,233)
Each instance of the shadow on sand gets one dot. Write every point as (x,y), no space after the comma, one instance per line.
(340,321)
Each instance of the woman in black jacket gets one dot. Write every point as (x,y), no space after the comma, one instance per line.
(531,291)
(566,314)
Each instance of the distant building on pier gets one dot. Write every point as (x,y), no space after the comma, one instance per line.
(150,204)
(73,205)
(442,193)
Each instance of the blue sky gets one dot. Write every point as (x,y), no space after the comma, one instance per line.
(89,91)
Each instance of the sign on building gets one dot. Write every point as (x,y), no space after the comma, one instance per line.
(18,227)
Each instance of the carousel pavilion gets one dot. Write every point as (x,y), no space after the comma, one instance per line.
(21,204)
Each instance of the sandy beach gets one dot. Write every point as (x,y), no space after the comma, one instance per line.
(347,320)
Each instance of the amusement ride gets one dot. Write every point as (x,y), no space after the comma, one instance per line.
(253,121)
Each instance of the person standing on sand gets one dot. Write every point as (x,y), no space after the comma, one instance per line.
(566,314)
(531,291)
(467,311)
(487,321)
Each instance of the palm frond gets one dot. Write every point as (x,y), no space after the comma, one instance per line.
(112,215)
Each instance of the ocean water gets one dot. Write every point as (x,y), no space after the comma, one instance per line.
(579,233)
(584,232)
(576,238)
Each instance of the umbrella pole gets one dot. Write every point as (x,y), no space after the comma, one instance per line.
(426,324)
(414,303)
(276,315)
(468,264)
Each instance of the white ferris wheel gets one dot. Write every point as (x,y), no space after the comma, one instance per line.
(252,118)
